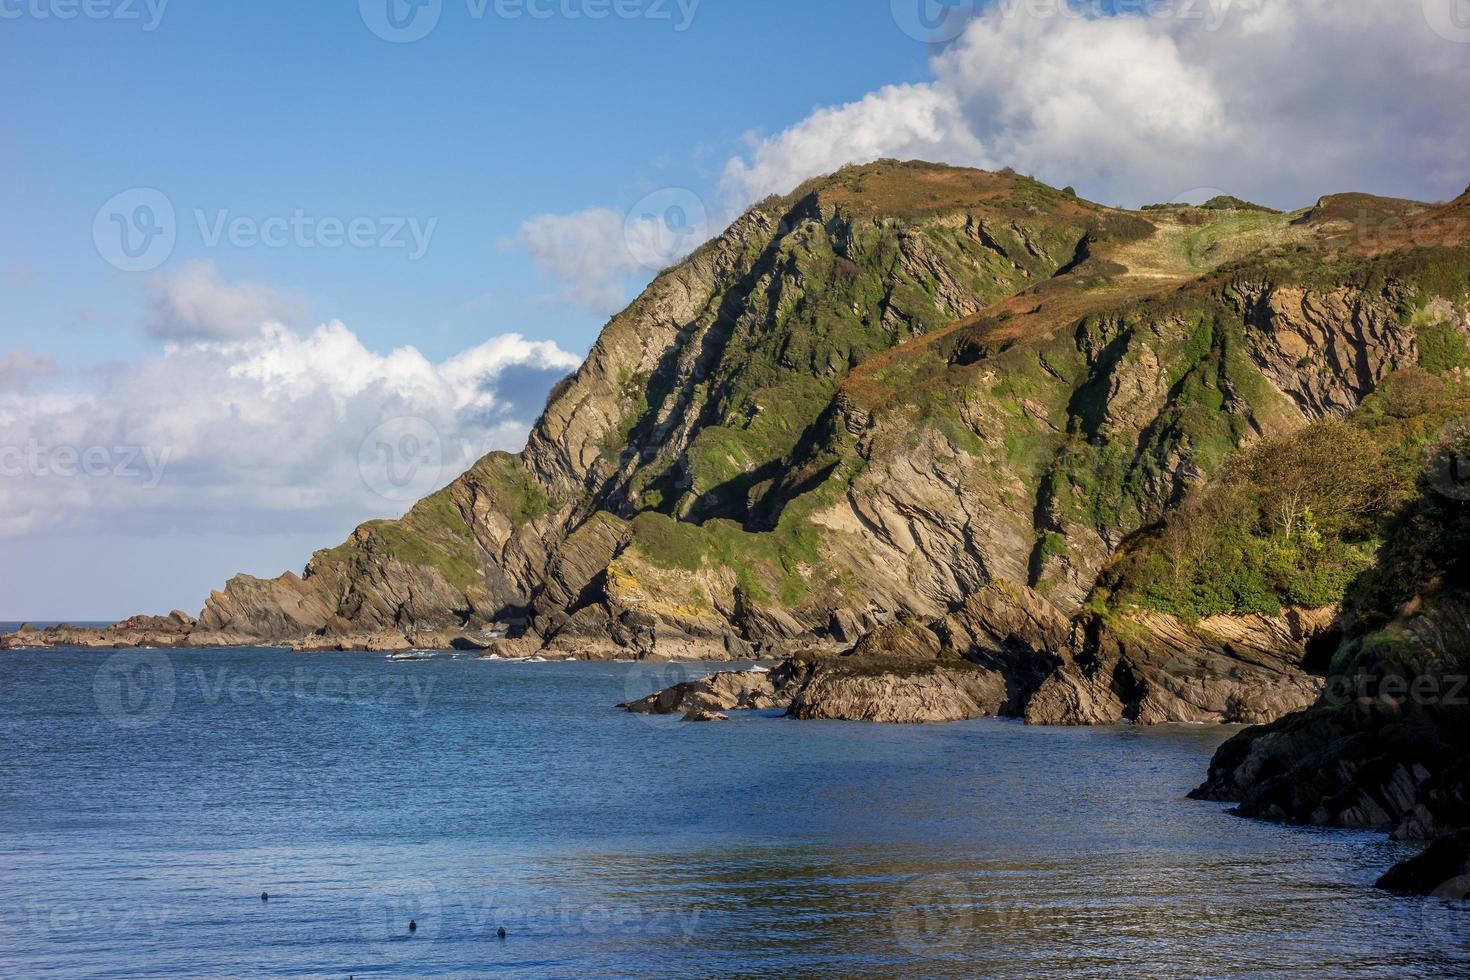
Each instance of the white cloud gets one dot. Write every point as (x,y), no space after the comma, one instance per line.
(274,431)
(919,122)
(195,303)
(1282,100)
(586,253)
(595,255)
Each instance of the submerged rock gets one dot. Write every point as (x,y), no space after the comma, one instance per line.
(704,714)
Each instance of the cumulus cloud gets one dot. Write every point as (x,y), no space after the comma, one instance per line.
(1282,100)
(195,303)
(282,430)
(586,253)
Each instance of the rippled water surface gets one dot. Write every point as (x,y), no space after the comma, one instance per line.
(147,799)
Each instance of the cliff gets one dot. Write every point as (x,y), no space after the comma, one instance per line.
(896,389)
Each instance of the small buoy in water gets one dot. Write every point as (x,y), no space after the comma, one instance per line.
(413,926)
(500,932)
(265,896)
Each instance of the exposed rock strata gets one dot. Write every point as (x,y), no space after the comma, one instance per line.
(1007,652)
(840,689)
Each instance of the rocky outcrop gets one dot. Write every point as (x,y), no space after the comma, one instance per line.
(1008,652)
(175,629)
(1145,667)
(746,690)
(1326,350)
(897,692)
(1386,747)
(1443,870)
(893,691)
(1222,670)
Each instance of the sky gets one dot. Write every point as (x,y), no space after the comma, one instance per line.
(271,269)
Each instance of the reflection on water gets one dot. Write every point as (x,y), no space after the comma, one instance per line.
(364,793)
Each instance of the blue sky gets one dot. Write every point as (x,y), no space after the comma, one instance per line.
(233,389)
(261,108)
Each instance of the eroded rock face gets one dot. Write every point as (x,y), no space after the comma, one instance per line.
(1223,670)
(1008,652)
(1367,763)
(894,691)
(1147,668)
(898,693)
(1386,747)
(745,690)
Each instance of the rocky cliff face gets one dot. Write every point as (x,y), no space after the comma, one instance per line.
(877,398)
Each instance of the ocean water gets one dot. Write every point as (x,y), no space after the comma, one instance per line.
(148,798)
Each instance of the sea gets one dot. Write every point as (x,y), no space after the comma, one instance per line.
(260,813)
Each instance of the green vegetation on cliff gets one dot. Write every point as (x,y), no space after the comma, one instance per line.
(1293,521)
(874,396)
